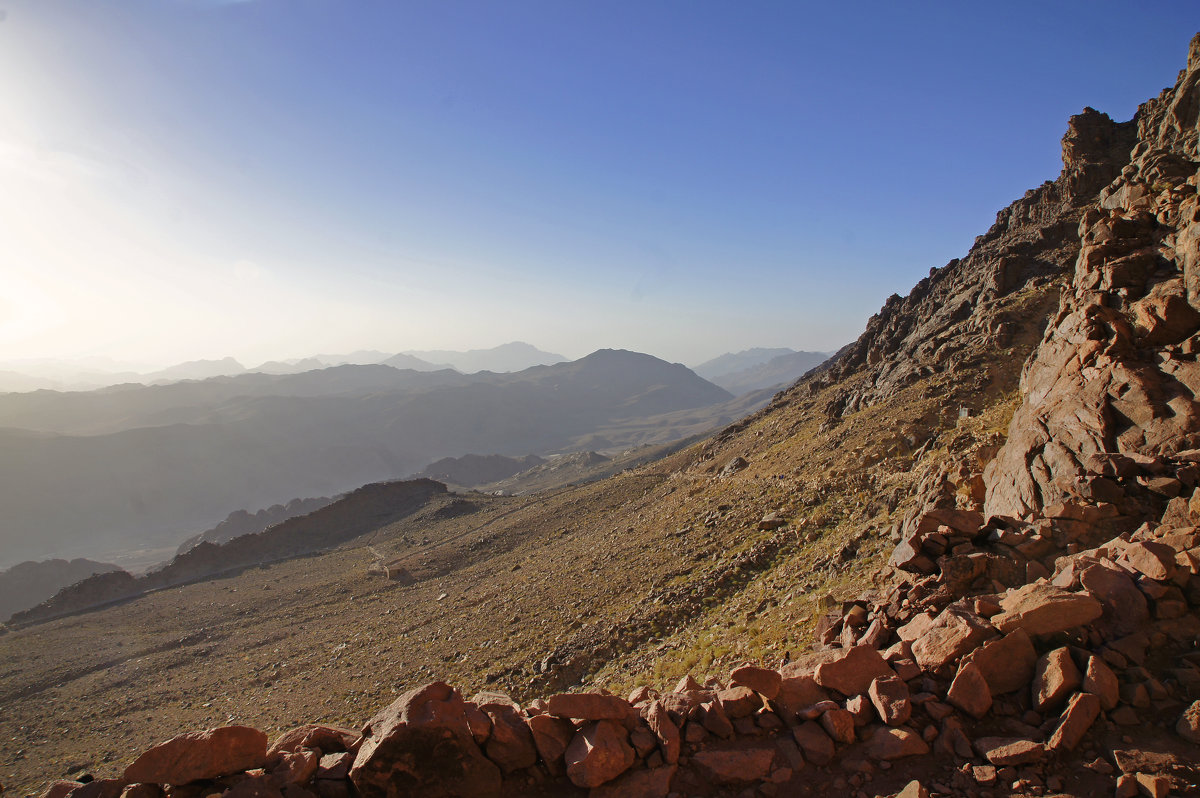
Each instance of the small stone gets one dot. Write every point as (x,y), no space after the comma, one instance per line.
(1009,750)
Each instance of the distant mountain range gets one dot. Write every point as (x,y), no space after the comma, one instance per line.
(35,375)
(756,369)
(85,474)
(515,356)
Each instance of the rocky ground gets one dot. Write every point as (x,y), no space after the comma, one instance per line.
(981,577)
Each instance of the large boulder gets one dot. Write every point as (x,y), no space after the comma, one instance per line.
(421,745)
(1042,609)
(200,755)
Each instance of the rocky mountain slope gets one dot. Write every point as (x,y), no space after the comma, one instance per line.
(963,553)
(243,522)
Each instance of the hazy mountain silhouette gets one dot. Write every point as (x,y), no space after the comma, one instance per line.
(30,583)
(778,371)
(99,472)
(731,362)
(515,356)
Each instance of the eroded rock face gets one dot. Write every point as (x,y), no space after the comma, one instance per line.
(422,745)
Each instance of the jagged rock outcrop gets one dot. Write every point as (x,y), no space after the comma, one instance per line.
(1109,409)
(956,308)
(243,522)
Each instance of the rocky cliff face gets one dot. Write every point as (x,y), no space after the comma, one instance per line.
(957,308)
(1112,390)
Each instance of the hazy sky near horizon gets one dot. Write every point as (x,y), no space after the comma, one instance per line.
(185,179)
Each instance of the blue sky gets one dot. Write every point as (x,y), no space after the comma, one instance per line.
(273,178)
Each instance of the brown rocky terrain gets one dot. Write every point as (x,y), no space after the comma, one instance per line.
(965,554)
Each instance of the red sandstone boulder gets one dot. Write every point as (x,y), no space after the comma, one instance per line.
(599,752)
(889,695)
(795,693)
(256,786)
(200,755)
(764,681)
(551,736)
(1006,663)
(422,745)
(1054,679)
(510,745)
(739,702)
(1043,609)
(839,725)
(714,719)
(295,767)
(588,706)
(1010,750)
(1188,726)
(1081,712)
(1100,681)
(952,634)
(852,672)
(652,783)
(60,789)
(817,746)
(661,724)
(736,765)
(1124,607)
(328,739)
(1153,559)
(890,743)
(969,691)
